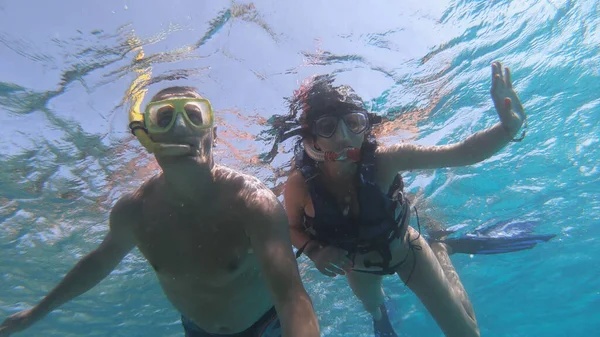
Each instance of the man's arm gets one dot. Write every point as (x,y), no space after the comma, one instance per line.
(269,235)
(293,196)
(475,148)
(88,272)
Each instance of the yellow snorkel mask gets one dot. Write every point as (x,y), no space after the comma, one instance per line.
(159,117)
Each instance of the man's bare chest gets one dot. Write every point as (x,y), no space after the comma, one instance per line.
(189,241)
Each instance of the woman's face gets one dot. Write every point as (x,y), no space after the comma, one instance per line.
(339,130)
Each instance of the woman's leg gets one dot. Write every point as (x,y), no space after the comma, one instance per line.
(367,287)
(441,253)
(424,275)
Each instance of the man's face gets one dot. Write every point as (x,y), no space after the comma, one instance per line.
(182,121)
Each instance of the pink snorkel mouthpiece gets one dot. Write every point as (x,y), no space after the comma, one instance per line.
(352,154)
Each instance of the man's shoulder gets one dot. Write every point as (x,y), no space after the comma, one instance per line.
(238,180)
(126,209)
(128,206)
(224,174)
(249,190)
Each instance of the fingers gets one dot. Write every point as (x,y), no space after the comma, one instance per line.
(337,270)
(334,262)
(341,264)
(327,272)
(499,69)
(507,78)
(342,260)
(345,263)
(494,77)
(507,104)
(497,80)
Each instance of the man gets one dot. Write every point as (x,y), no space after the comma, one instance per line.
(217,239)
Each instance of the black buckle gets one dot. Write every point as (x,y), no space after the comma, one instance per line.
(516,140)
(137,125)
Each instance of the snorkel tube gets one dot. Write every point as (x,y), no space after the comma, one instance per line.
(350,153)
(136,92)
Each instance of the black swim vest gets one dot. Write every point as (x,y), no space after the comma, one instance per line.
(375,226)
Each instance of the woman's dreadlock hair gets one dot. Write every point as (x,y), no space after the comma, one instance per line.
(316,96)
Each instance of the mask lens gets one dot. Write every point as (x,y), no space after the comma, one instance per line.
(161,115)
(325,126)
(198,113)
(356,122)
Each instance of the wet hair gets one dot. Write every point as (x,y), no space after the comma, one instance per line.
(177,91)
(316,96)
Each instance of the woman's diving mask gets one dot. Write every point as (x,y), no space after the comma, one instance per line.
(326,125)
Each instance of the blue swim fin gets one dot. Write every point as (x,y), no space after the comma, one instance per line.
(383,327)
(503,237)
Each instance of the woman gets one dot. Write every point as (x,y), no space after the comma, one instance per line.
(346,206)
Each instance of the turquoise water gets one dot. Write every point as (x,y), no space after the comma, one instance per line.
(67,155)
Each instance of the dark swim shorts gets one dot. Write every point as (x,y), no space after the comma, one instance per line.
(267,326)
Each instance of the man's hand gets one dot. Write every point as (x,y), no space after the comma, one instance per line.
(507,103)
(88,272)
